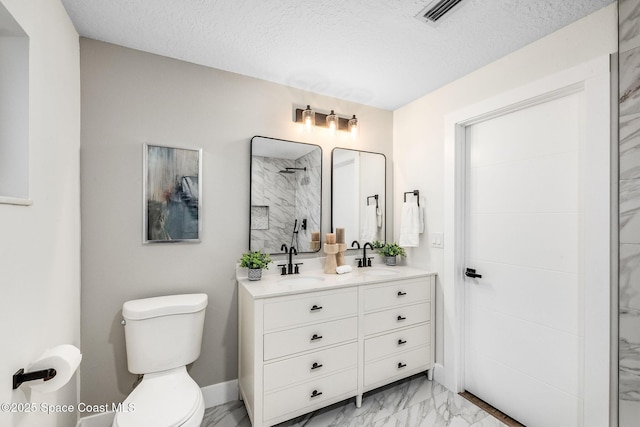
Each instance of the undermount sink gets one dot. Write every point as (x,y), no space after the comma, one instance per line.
(301,280)
(380,272)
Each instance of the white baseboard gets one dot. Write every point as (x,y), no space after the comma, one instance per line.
(99,420)
(215,394)
(440,376)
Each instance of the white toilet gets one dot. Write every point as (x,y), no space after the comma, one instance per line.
(163,335)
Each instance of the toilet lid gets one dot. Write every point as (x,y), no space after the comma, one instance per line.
(168,400)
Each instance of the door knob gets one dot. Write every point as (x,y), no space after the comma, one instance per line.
(471,272)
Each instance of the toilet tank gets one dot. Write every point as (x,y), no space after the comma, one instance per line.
(163,333)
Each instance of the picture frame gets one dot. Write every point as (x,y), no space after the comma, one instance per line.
(172,192)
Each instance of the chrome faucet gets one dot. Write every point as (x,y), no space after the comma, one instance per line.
(364,261)
(289,268)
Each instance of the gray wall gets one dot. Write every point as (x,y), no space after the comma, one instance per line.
(629,273)
(130,98)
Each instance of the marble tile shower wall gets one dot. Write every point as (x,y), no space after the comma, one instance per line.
(308,196)
(283,198)
(273,195)
(629,149)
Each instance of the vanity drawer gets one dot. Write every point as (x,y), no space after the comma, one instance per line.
(398,317)
(291,341)
(397,341)
(309,308)
(302,396)
(395,294)
(305,368)
(396,366)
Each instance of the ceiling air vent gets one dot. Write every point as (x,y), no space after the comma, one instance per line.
(436,10)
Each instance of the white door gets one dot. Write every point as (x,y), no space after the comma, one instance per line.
(523,319)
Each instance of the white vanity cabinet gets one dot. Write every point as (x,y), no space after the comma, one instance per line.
(301,349)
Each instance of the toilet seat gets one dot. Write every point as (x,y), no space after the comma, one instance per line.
(170,398)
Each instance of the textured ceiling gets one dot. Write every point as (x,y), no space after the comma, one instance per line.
(373,52)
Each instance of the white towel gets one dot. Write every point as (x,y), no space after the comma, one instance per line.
(369,227)
(411,225)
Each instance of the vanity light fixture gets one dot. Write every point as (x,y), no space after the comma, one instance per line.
(332,121)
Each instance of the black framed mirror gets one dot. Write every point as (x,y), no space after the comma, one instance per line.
(358,194)
(286,194)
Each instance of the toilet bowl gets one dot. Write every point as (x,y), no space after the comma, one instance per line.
(165,399)
(163,335)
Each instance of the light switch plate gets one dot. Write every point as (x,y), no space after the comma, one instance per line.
(437,240)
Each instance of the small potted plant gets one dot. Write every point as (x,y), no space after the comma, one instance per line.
(255,261)
(389,251)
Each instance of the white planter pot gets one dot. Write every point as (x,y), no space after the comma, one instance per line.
(255,273)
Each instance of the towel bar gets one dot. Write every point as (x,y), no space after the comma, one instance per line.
(415,193)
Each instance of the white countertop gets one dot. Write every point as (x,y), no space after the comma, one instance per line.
(313,278)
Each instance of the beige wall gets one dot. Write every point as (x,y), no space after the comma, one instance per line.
(130,98)
(40,244)
(419,132)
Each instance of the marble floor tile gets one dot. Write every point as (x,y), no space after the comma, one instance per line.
(445,410)
(629,82)
(629,147)
(229,414)
(413,402)
(344,414)
(401,395)
(630,211)
(629,272)
(629,355)
(629,413)
(628,29)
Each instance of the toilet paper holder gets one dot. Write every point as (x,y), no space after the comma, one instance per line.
(20,377)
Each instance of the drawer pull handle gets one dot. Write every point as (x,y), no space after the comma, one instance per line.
(316,308)
(401,318)
(401,341)
(401,365)
(401,294)
(315,393)
(316,337)
(316,365)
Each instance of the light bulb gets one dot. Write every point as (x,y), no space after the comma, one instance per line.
(308,118)
(332,122)
(353,126)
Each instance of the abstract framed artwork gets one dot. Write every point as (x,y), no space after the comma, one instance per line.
(171,200)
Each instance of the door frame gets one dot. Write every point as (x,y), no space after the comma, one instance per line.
(593,79)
